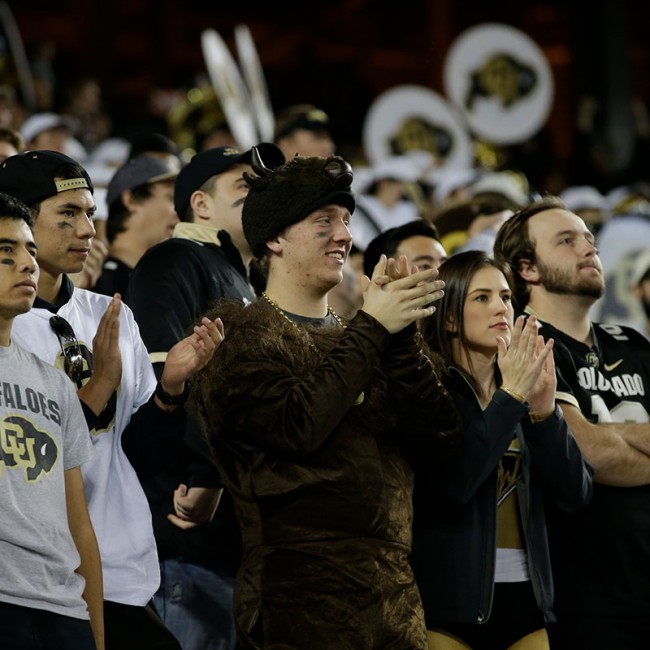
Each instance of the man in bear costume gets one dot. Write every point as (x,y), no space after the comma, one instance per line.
(313,421)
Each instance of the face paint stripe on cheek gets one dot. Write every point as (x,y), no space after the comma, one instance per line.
(8,262)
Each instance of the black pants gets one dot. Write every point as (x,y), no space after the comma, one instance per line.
(25,628)
(128,627)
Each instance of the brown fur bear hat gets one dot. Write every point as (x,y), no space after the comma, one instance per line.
(280,197)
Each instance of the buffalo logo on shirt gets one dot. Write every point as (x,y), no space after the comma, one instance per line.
(106,418)
(23,446)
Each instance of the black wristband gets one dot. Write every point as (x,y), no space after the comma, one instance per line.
(172,400)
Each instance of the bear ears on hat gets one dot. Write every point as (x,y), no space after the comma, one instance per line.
(300,171)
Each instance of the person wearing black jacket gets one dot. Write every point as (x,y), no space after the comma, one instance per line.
(480,553)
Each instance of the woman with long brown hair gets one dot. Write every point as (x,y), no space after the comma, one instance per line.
(480,552)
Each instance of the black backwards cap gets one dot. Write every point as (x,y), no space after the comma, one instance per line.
(30,176)
(280,197)
(216,161)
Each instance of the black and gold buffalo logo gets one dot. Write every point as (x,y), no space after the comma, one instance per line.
(501,77)
(24,446)
(416,133)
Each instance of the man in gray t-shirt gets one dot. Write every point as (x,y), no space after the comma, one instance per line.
(50,572)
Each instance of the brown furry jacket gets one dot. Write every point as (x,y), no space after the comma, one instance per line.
(322,486)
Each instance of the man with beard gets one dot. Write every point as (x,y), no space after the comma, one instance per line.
(601,555)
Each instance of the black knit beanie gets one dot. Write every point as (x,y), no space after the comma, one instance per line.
(283,196)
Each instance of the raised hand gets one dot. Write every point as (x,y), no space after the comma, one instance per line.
(107,359)
(542,397)
(191,354)
(522,362)
(398,295)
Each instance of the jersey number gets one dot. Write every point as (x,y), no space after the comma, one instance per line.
(623,412)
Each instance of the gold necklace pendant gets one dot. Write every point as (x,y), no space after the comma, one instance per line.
(361,397)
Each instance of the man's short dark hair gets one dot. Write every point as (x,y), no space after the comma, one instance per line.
(388,241)
(12,208)
(118,213)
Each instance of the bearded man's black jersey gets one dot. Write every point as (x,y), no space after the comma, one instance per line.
(601,554)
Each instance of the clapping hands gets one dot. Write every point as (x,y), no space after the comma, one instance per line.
(398,294)
(527,365)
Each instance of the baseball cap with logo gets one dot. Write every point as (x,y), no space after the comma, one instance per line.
(144,170)
(217,161)
(31,176)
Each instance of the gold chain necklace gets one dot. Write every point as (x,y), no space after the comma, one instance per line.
(330,311)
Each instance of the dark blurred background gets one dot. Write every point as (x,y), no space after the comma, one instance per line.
(341,54)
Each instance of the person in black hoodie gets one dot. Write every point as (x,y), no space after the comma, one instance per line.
(480,553)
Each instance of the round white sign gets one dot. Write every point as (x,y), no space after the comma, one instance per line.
(409,118)
(501,81)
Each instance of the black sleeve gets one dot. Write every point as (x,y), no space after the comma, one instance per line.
(558,462)
(165,295)
(201,471)
(91,418)
(151,439)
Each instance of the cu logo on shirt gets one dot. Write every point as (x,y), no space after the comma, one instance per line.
(24,446)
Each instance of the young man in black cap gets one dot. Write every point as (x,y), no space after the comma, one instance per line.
(131,418)
(140,199)
(172,286)
(311,418)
